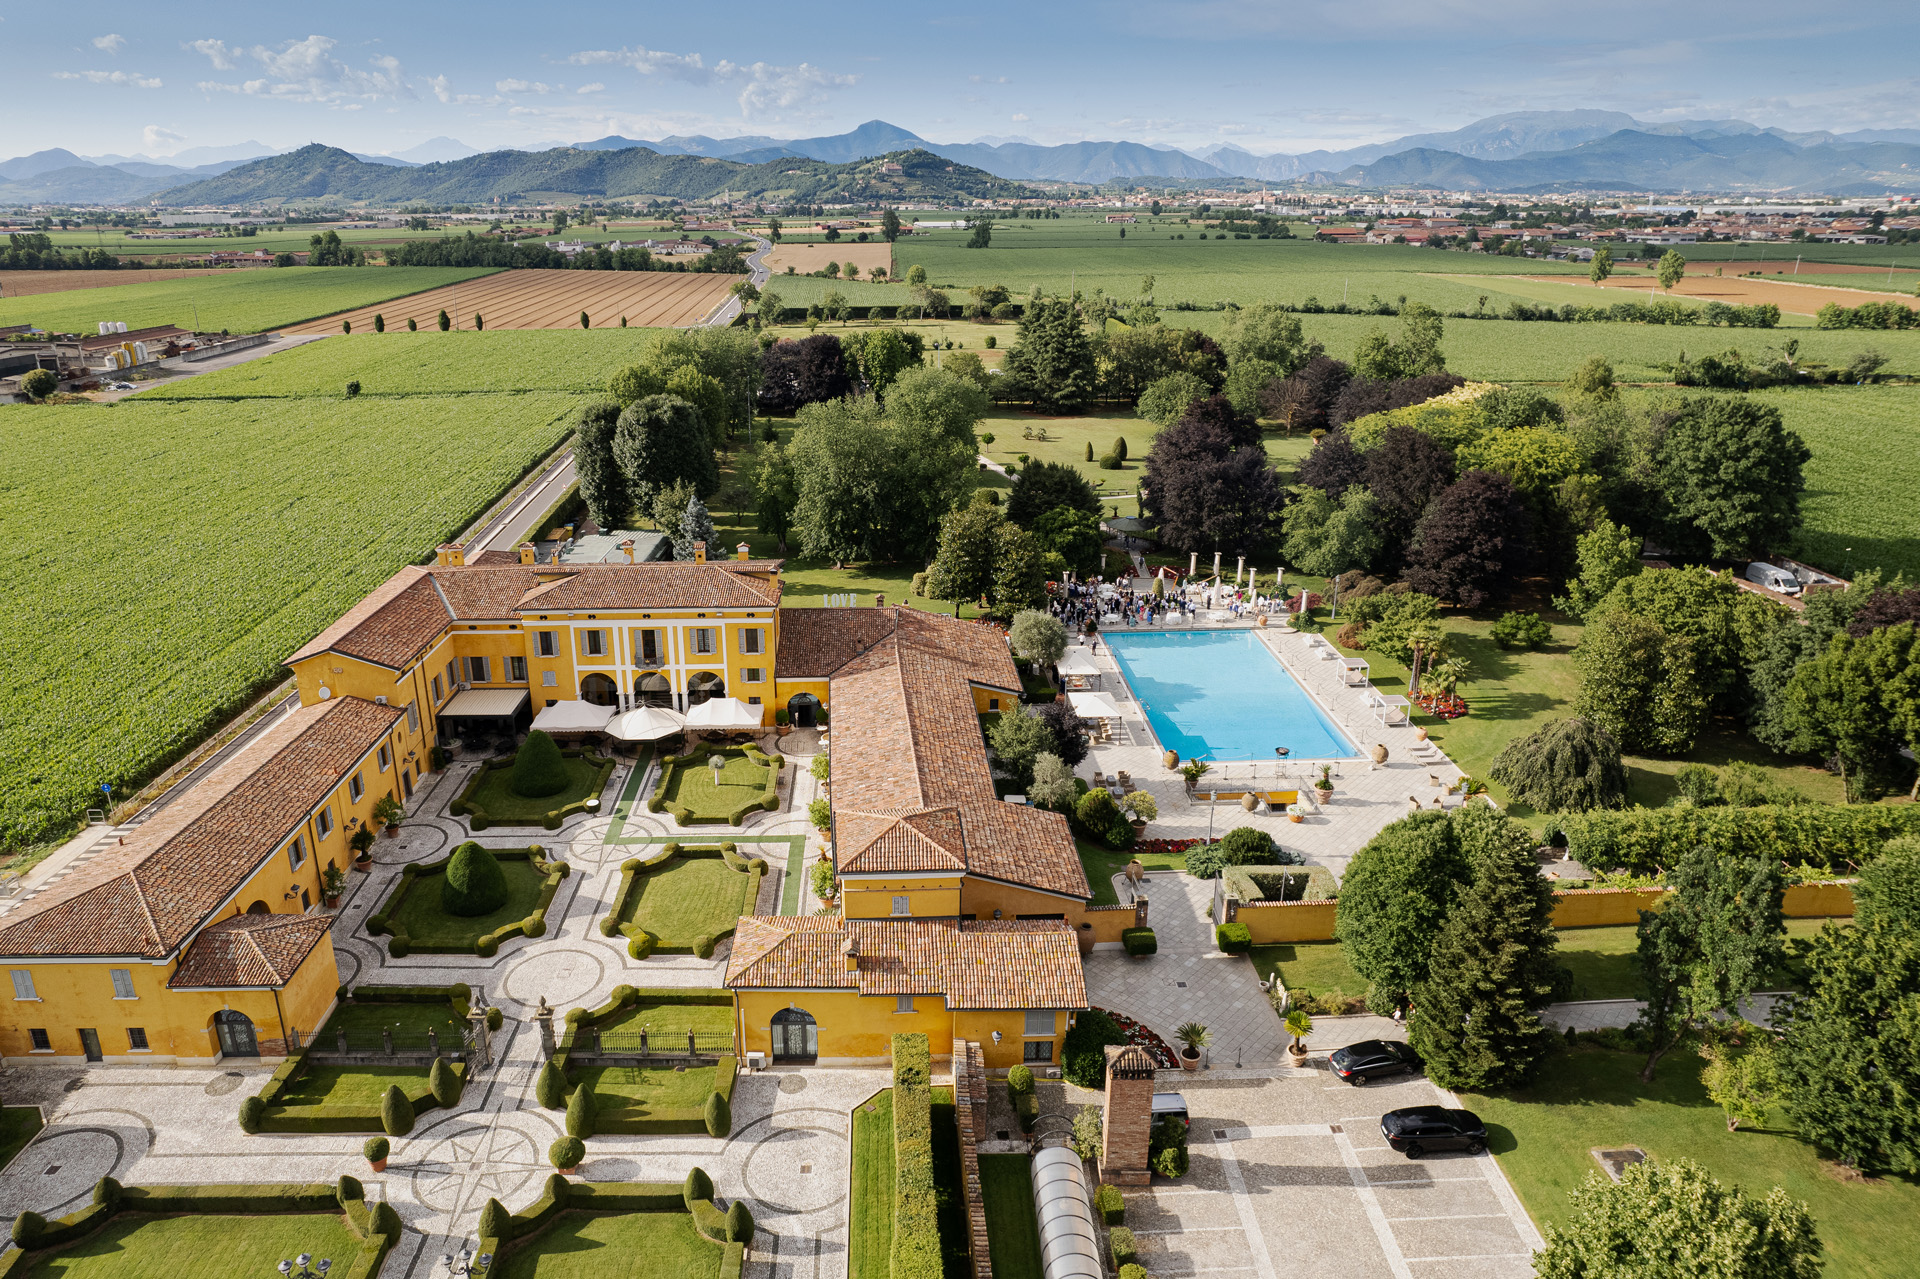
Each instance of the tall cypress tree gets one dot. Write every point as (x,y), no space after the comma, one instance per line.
(1476,1017)
(603,485)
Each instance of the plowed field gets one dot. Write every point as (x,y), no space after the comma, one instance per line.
(1794,299)
(21,284)
(811,257)
(549,300)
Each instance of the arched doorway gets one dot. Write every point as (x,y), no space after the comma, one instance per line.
(236,1034)
(652,689)
(804,708)
(704,685)
(259,908)
(599,690)
(796,1037)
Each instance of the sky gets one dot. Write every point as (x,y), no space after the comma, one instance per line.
(122,78)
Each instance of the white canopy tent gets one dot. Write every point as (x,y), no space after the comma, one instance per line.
(646,724)
(573,716)
(1093,706)
(724,714)
(1078,662)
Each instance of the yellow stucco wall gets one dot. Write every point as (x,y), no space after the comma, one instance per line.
(1011,1050)
(1108,921)
(927,897)
(981,897)
(1817,901)
(991,701)
(1271,922)
(1598,907)
(850,1025)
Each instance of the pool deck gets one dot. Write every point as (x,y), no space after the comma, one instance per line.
(1366,797)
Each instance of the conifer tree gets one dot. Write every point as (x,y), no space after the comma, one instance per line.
(695,526)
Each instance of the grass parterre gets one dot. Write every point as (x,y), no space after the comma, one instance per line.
(684,902)
(491,799)
(416,919)
(618,1230)
(690,790)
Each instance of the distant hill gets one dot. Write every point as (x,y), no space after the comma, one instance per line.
(323,172)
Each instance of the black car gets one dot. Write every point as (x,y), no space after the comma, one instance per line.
(1372,1058)
(1415,1130)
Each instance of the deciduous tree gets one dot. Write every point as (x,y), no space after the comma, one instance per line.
(1640,684)
(1569,766)
(1607,555)
(661,439)
(1472,543)
(1393,897)
(1731,474)
(774,493)
(1332,465)
(1207,494)
(1326,538)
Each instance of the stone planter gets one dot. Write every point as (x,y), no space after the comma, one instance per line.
(1324,796)
(1084,934)
(1296,1057)
(1189,1059)
(1292,816)
(1249,802)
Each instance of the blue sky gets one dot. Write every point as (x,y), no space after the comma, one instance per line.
(126,78)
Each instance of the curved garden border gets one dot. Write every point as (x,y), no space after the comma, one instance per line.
(640,942)
(399,944)
(769,800)
(478,818)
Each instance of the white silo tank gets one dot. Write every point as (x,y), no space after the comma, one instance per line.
(119,326)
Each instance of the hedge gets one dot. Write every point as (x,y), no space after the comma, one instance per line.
(399,944)
(478,818)
(580,1020)
(378,1229)
(618,1197)
(1121,1244)
(1139,941)
(640,942)
(1646,841)
(1234,939)
(769,800)
(916,1218)
(678,1120)
(1110,1205)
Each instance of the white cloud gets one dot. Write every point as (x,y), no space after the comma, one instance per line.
(155,140)
(306,71)
(522,86)
(764,87)
(595,87)
(111,77)
(988,79)
(110,43)
(1021,117)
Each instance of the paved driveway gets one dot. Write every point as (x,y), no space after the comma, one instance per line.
(1290,1176)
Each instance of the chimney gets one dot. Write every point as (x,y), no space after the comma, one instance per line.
(699,552)
(456,554)
(742,551)
(851,950)
(627,547)
(526,552)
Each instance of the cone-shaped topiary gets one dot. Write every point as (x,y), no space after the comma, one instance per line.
(538,769)
(348,1189)
(444,1084)
(495,1220)
(739,1221)
(718,1114)
(697,1187)
(396,1112)
(567,1152)
(550,1088)
(474,883)
(580,1112)
(385,1221)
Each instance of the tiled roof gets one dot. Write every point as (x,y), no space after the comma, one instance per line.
(715,584)
(249,950)
(984,964)
(400,617)
(147,896)
(816,642)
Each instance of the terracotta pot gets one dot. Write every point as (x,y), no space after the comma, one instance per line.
(1085,937)
(568,1172)
(393,832)
(378,1165)
(1189,1062)
(1293,817)
(1419,734)
(1324,794)
(1139,828)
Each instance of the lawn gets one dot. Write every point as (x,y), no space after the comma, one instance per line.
(1594,1098)
(238,301)
(19,1125)
(1601,959)
(1317,966)
(689,898)
(351,1087)
(409,1023)
(1102,864)
(870,1214)
(163,616)
(598,1245)
(201,1246)
(429,928)
(1006,1183)
(691,784)
(636,1090)
(492,792)
(674,1019)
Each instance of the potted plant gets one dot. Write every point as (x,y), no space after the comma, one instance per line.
(388,812)
(820,813)
(822,882)
(333,882)
(376,1150)
(362,845)
(1193,1037)
(1299,1026)
(1193,770)
(782,721)
(566,1153)
(1323,784)
(1143,808)
(1293,813)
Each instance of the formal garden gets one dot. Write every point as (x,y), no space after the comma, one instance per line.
(468,902)
(683,900)
(617,1230)
(908,1208)
(646,1061)
(539,785)
(710,785)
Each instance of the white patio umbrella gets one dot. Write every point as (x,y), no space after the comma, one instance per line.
(724,714)
(572,716)
(1093,706)
(645,724)
(1077,662)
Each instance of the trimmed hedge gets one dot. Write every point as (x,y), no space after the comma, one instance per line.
(1120,1243)
(768,801)
(611,1198)
(1139,941)
(1110,1205)
(378,1230)
(399,944)
(640,942)
(478,817)
(916,1216)
(1234,939)
(1645,840)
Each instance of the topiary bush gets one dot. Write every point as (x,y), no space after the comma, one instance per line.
(550,1087)
(538,769)
(1120,1241)
(28,1226)
(1109,1203)
(396,1112)
(1139,941)
(718,1115)
(375,1149)
(1019,1081)
(697,1188)
(1100,818)
(473,884)
(739,1223)
(495,1221)
(444,1084)
(1083,1058)
(567,1152)
(580,1112)
(1133,1271)
(1234,939)
(253,1112)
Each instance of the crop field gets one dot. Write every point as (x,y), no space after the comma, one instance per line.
(1860,509)
(532,299)
(238,301)
(171,554)
(425,363)
(21,284)
(1800,298)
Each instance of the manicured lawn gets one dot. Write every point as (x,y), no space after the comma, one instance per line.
(1102,864)
(948,1186)
(1012,1228)
(674,1019)
(645,1088)
(421,918)
(689,898)
(1317,966)
(494,792)
(692,785)
(585,1245)
(1601,959)
(18,1126)
(211,1246)
(359,1087)
(408,1022)
(870,1215)
(1594,1098)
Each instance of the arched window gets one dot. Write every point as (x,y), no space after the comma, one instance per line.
(703,685)
(796,1036)
(600,690)
(652,689)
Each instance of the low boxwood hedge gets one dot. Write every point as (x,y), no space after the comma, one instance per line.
(610,1198)
(399,944)
(916,1216)
(768,800)
(1234,939)
(479,819)
(1139,941)
(633,872)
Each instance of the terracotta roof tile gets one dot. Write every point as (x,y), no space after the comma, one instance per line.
(397,619)
(715,584)
(984,964)
(147,896)
(816,642)
(249,950)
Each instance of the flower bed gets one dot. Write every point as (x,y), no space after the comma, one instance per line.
(1139,1033)
(1164,847)
(1444,705)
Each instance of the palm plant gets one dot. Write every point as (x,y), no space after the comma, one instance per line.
(1299,1025)
(1194,1036)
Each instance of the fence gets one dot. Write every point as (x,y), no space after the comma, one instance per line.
(388,1048)
(595,1047)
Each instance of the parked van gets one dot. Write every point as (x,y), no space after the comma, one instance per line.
(1773,578)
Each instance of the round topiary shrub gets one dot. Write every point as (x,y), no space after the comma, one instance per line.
(375,1149)
(385,1221)
(27,1229)
(398,946)
(473,884)
(1247,846)
(396,1112)
(538,770)
(253,1112)
(739,1222)
(1020,1080)
(486,947)
(718,1115)
(495,1019)
(550,1087)
(641,946)
(624,995)
(566,1153)
(703,945)
(106,1191)
(534,925)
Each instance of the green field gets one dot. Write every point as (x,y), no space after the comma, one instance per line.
(170,555)
(1013,1229)
(1860,509)
(242,301)
(201,1246)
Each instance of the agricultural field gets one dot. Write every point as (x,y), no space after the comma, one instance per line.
(812,257)
(1860,509)
(246,300)
(538,299)
(173,553)
(22,284)
(1797,297)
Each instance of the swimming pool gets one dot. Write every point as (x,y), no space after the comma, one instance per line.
(1222,695)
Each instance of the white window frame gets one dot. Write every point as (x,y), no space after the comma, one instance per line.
(23,987)
(753,640)
(453,673)
(902,904)
(903,1003)
(753,674)
(1039,1023)
(546,643)
(297,852)
(594,643)
(122,979)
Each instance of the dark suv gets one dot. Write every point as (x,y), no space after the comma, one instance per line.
(1415,1130)
(1371,1058)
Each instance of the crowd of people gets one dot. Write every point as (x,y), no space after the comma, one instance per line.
(1083,605)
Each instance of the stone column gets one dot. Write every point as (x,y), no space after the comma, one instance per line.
(1129,1119)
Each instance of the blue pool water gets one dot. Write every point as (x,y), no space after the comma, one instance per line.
(1221,695)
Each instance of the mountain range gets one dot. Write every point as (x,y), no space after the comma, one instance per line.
(1518,151)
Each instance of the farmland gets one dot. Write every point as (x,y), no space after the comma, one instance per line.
(1801,297)
(20,284)
(238,301)
(812,257)
(172,553)
(531,299)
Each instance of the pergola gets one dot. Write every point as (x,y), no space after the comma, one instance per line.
(1389,708)
(1357,670)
